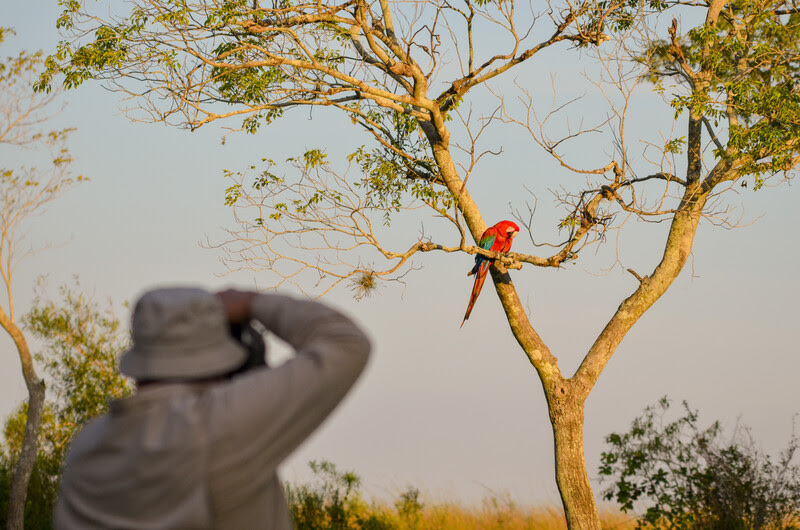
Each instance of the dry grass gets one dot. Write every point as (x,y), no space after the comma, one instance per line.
(498,515)
(492,514)
(333,501)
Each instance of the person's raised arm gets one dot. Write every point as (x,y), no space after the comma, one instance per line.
(273,410)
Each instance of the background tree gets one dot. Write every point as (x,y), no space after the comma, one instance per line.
(684,476)
(80,345)
(415,77)
(24,193)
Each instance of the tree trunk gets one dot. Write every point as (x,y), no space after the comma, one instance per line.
(30,442)
(566,418)
(27,456)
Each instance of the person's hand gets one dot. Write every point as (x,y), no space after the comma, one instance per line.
(236,304)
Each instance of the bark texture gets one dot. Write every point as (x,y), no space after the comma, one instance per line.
(572,479)
(30,442)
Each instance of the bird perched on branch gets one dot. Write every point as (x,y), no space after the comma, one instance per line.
(497,238)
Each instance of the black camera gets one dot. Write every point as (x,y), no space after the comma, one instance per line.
(253,341)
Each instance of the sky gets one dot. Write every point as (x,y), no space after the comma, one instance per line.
(458,413)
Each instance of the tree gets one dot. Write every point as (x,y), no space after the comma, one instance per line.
(411,75)
(80,346)
(688,477)
(25,193)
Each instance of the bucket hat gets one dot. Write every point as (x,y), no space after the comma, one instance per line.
(180,333)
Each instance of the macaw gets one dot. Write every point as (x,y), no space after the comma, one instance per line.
(497,238)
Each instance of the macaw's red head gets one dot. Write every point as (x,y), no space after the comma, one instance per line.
(509,228)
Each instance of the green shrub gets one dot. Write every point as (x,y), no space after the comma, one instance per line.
(333,502)
(686,477)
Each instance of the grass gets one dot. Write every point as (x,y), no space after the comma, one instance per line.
(333,502)
(496,514)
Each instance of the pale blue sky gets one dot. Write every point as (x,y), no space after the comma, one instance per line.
(457,412)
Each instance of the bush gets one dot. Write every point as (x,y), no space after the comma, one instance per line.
(688,478)
(409,506)
(333,502)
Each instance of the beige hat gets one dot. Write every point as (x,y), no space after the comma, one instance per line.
(180,333)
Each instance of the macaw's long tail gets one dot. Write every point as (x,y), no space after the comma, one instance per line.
(480,277)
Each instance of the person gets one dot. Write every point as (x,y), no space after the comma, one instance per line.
(198,444)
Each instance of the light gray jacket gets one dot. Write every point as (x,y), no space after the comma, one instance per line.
(204,455)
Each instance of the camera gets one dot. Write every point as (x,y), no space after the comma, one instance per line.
(253,341)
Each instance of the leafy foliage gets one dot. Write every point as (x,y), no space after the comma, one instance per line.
(333,502)
(689,478)
(741,69)
(409,505)
(81,343)
(25,191)
(399,171)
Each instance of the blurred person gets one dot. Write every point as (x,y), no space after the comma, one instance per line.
(198,444)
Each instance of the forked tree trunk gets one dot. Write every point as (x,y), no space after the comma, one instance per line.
(30,441)
(566,397)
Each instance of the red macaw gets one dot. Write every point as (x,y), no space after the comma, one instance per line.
(497,238)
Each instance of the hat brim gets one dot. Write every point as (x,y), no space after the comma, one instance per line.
(162,362)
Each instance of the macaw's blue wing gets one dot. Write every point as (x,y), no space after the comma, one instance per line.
(486,242)
(487,239)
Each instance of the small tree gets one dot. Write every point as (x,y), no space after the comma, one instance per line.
(80,346)
(416,78)
(24,193)
(686,477)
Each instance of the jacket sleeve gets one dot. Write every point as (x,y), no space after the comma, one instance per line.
(267,413)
